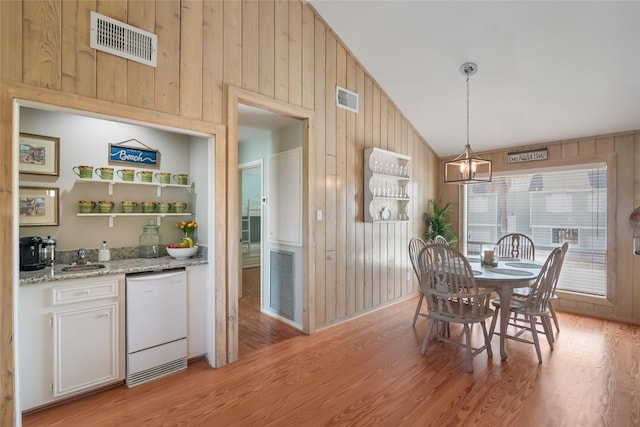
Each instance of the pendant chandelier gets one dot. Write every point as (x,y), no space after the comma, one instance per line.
(468,167)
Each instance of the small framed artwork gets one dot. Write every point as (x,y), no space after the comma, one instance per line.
(38,206)
(39,154)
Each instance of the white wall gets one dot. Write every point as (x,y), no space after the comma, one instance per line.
(84,141)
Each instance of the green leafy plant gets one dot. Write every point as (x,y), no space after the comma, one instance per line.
(438,223)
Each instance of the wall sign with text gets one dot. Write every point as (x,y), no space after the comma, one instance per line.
(527,156)
(133,156)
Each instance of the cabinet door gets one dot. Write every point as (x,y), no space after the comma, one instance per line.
(85,348)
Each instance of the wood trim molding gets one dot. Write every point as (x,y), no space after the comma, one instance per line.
(7,254)
(235,96)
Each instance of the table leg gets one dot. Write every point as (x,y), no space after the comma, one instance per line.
(505,303)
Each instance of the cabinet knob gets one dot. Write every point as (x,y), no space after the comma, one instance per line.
(107,314)
(86,292)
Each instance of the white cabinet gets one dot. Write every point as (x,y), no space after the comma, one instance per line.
(85,348)
(71,338)
(386,186)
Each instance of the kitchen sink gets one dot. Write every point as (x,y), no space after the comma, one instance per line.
(83,267)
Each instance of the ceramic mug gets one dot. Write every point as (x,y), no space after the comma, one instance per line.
(83,171)
(163,207)
(105,206)
(105,173)
(125,174)
(128,206)
(163,177)
(145,176)
(179,207)
(148,207)
(181,178)
(86,206)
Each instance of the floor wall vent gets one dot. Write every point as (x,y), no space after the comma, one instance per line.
(123,40)
(282,281)
(346,99)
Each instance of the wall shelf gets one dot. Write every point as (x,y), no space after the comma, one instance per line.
(112,215)
(111,183)
(386,186)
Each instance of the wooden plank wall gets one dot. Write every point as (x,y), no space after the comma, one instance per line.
(623,152)
(277,48)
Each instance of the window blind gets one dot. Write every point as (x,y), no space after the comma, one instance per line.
(552,207)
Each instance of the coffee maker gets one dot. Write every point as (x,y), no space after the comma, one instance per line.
(30,258)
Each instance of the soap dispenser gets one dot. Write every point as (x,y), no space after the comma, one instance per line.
(104,254)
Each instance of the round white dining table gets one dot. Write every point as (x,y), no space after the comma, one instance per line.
(509,274)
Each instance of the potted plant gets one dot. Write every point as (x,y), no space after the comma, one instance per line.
(438,223)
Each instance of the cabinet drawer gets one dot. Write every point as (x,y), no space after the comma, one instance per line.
(84,292)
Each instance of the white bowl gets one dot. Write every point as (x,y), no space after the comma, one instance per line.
(182,253)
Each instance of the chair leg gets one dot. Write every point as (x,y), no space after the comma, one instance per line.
(415,316)
(433,323)
(467,334)
(534,333)
(492,328)
(553,314)
(546,325)
(487,340)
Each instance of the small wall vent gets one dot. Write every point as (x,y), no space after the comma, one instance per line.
(346,99)
(120,39)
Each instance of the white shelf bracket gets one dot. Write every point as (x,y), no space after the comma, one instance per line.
(110,189)
(111,221)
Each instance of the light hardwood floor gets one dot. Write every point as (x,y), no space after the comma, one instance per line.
(369,372)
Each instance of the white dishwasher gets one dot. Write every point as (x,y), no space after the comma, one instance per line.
(156,317)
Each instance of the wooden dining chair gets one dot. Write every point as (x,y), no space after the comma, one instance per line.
(416,244)
(452,296)
(516,245)
(523,293)
(440,239)
(535,307)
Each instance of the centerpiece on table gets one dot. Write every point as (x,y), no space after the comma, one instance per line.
(186,248)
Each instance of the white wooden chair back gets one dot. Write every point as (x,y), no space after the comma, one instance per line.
(416,244)
(544,286)
(441,240)
(516,245)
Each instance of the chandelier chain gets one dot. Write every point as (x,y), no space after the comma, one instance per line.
(467,109)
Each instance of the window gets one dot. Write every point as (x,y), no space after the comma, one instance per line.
(551,206)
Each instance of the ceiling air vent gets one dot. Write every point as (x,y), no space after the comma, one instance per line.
(120,39)
(346,99)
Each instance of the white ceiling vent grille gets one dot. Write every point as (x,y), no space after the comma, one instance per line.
(346,99)
(120,39)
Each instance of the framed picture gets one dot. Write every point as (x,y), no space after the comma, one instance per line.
(39,154)
(38,206)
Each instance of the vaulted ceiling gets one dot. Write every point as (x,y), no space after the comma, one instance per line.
(547,70)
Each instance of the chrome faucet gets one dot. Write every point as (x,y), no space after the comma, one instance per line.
(82,257)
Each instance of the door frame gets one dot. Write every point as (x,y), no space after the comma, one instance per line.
(242,166)
(235,96)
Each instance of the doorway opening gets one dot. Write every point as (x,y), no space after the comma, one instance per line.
(269,291)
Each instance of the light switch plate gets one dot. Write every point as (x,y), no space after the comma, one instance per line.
(319,214)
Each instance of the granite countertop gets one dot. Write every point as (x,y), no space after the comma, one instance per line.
(132,265)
